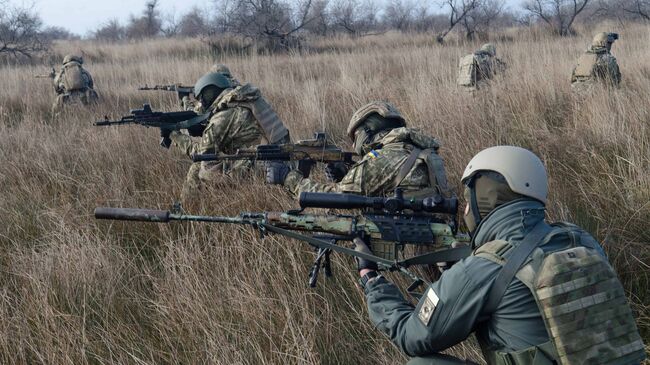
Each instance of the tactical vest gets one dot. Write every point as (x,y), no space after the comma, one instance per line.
(467,71)
(586,64)
(484,65)
(436,170)
(73,78)
(274,130)
(579,296)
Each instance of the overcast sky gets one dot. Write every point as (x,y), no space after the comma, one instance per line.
(82,16)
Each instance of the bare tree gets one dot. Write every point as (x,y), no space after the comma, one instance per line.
(557,14)
(480,19)
(111,31)
(193,24)
(637,9)
(273,22)
(458,10)
(20,31)
(148,25)
(319,15)
(355,17)
(399,14)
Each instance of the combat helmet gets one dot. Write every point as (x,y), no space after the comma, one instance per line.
(498,175)
(384,109)
(73,58)
(489,48)
(221,69)
(211,79)
(604,39)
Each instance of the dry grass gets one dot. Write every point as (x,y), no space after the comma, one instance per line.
(73,290)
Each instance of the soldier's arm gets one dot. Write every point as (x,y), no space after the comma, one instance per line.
(295,183)
(446,314)
(89,78)
(57,82)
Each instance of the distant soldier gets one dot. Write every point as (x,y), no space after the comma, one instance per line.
(393,156)
(239,118)
(73,84)
(597,64)
(475,69)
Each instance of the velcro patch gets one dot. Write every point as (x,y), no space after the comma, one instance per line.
(428,307)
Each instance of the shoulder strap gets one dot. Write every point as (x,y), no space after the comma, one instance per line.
(515,261)
(437,175)
(407,166)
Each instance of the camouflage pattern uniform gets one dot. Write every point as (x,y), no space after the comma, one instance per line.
(597,65)
(73,84)
(477,68)
(375,174)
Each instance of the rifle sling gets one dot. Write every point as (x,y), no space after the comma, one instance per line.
(192,121)
(407,166)
(451,254)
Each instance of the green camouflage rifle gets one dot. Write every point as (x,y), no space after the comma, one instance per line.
(387,224)
(307,152)
(193,122)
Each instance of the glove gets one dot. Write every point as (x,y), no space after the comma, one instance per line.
(276,172)
(165,141)
(335,171)
(196,130)
(304,166)
(362,264)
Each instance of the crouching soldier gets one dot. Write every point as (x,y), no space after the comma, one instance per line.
(73,84)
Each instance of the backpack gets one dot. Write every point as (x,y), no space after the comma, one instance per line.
(467,71)
(578,293)
(586,65)
(73,78)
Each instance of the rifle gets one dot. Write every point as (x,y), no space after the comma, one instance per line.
(51,75)
(387,224)
(182,91)
(189,120)
(309,150)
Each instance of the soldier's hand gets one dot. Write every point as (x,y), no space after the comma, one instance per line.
(276,172)
(165,141)
(335,171)
(304,166)
(363,264)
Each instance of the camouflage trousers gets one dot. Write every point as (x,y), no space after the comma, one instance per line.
(77,97)
(202,174)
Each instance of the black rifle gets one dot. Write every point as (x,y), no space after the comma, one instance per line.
(193,122)
(387,224)
(181,91)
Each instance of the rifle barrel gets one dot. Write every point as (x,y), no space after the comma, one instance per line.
(130,214)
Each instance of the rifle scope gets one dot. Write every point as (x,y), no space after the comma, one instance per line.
(394,204)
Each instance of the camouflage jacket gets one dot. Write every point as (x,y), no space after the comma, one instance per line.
(488,66)
(376,173)
(60,80)
(597,64)
(452,307)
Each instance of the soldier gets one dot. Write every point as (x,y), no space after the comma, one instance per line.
(524,280)
(73,84)
(240,118)
(394,156)
(475,69)
(191,104)
(597,64)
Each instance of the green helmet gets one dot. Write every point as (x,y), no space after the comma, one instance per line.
(73,58)
(489,48)
(221,69)
(211,79)
(384,109)
(604,39)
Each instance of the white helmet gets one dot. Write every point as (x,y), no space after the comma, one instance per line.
(523,170)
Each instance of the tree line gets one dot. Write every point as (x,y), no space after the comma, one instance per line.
(284,23)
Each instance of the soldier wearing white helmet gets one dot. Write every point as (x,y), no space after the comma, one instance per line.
(393,156)
(73,84)
(526,279)
(597,65)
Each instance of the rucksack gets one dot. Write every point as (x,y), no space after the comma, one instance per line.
(73,78)
(467,71)
(580,298)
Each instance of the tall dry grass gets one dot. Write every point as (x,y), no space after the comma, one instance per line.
(74,290)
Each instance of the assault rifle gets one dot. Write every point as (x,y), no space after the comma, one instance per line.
(189,120)
(181,91)
(309,150)
(51,75)
(387,224)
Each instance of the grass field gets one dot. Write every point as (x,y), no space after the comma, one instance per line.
(76,291)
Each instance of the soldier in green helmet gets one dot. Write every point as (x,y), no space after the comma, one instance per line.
(73,84)
(475,69)
(239,118)
(532,292)
(597,65)
(393,156)
(195,105)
